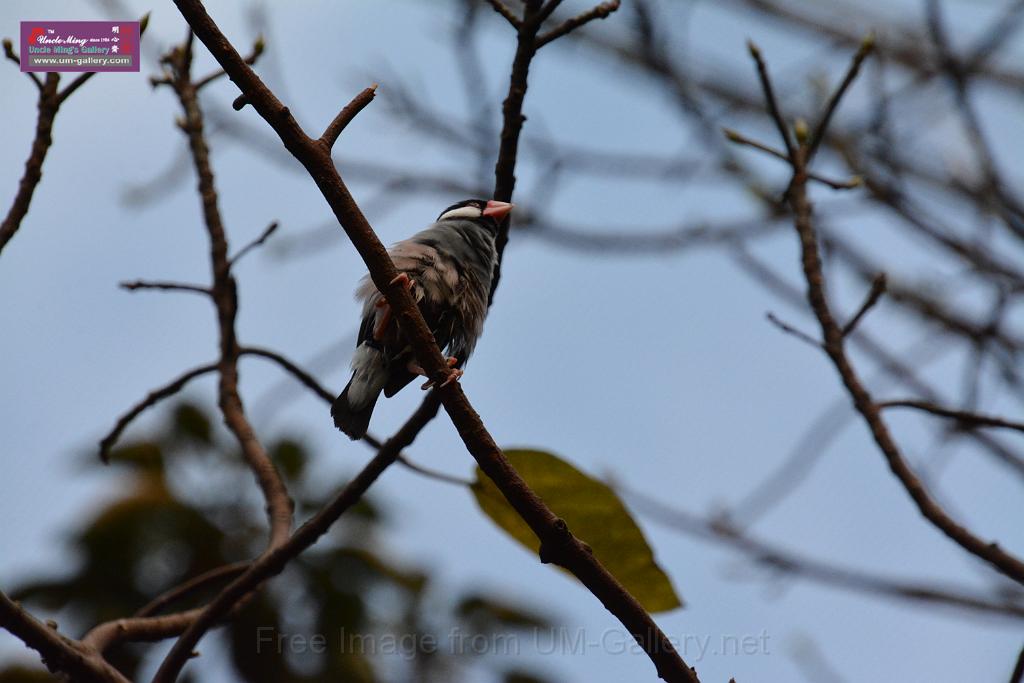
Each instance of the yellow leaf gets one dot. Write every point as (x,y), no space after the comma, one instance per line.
(594,514)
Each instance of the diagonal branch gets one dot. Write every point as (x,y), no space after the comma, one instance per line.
(558,543)
(966,419)
(770,101)
(826,573)
(601,11)
(878,286)
(151,399)
(60,654)
(346,115)
(276,559)
(264,236)
(47,105)
(503,9)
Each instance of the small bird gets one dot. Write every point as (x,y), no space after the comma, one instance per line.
(448,268)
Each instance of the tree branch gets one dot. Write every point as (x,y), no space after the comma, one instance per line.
(503,9)
(276,559)
(225,297)
(151,399)
(165,286)
(346,115)
(60,654)
(965,418)
(601,11)
(832,335)
(264,236)
(878,286)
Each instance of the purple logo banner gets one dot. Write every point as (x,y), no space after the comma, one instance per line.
(79,46)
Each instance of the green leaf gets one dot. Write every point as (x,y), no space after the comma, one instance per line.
(190,423)
(594,514)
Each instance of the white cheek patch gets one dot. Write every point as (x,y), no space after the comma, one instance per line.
(462,212)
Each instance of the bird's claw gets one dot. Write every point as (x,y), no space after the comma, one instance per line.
(385,319)
(403,278)
(454,373)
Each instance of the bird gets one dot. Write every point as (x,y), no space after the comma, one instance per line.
(448,268)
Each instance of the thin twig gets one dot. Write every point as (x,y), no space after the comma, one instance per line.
(741,139)
(789,329)
(257,50)
(601,11)
(13,56)
(503,9)
(304,377)
(47,105)
(165,286)
(772,556)
(346,115)
(966,419)
(769,98)
(151,399)
(878,286)
(264,236)
(227,571)
(866,46)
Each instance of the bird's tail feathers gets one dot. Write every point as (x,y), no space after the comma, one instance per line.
(354,406)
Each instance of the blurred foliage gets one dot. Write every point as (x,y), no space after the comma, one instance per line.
(594,514)
(342,612)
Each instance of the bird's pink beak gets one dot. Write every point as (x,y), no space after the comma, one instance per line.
(497,210)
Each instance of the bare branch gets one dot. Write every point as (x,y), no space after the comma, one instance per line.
(878,286)
(601,11)
(264,236)
(964,418)
(346,115)
(866,46)
(769,98)
(60,654)
(151,399)
(304,377)
(789,329)
(48,105)
(274,561)
(165,286)
(503,9)
(740,139)
(225,297)
(772,556)
(13,56)
(227,571)
(832,334)
(257,50)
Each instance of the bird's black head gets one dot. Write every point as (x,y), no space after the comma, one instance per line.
(488,212)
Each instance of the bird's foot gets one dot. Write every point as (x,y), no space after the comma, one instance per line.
(453,374)
(382,321)
(403,278)
(385,317)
